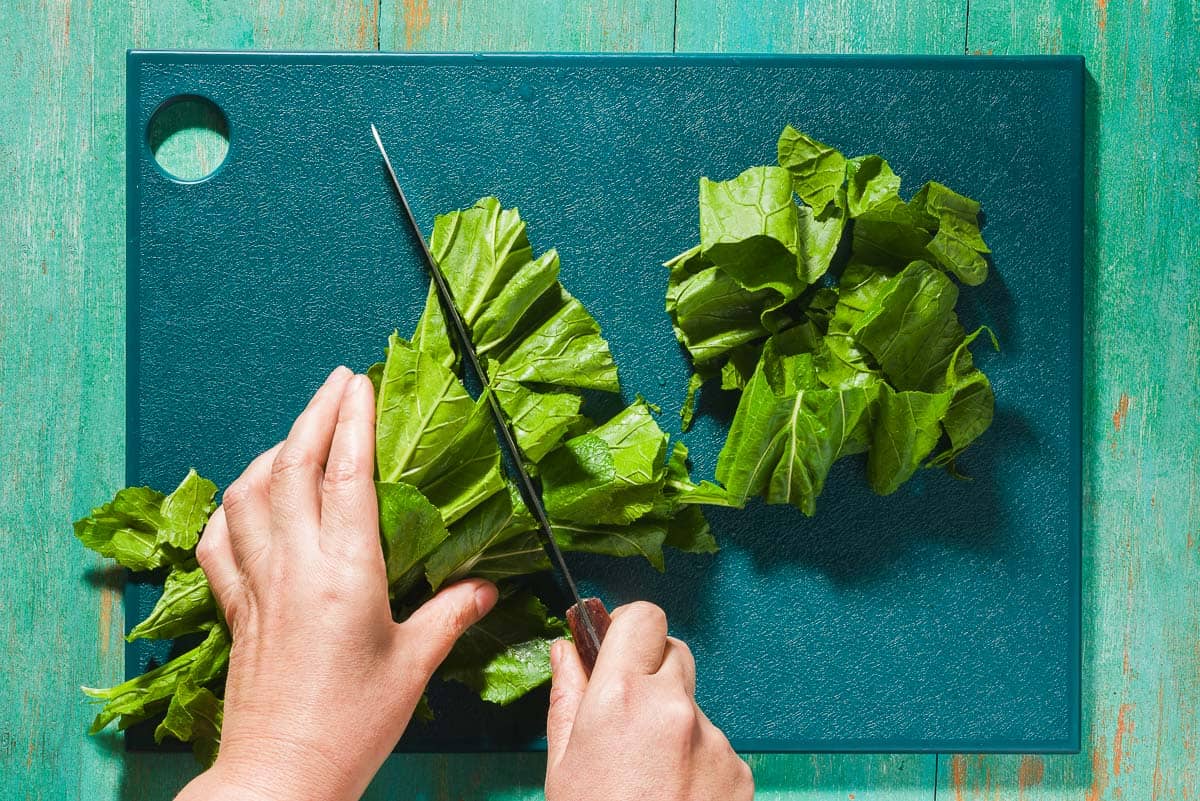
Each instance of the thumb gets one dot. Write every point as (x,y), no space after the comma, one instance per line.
(430,632)
(566,693)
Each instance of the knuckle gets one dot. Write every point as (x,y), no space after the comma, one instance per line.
(237,494)
(617,693)
(559,694)
(457,620)
(289,462)
(205,553)
(679,715)
(684,651)
(342,475)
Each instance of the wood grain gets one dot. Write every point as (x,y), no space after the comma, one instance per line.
(529,25)
(821,26)
(1142,385)
(61,393)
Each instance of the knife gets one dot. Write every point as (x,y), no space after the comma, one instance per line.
(588,619)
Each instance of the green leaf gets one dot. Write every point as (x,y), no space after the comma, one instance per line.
(195,715)
(688,410)
(506,654)
(431,335)
(479,250)
(611,475)
(713,314)
(957,246)
(905,430)
(517,312)
(519,555)
(498,519)
(460,477)
(144,696)
(822,236)
(870,183)
(410,528)
(750,228)
(430,434)
(780,445)
(911,329)
(972,404)
(565,349)
(186,606)
(512,310)
(688,531)
(185,511)
(129,529)
(540,419)
(644,537)
(818,171)
(892,234)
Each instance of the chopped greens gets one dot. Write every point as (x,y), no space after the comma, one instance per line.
(446,508)
(834,350)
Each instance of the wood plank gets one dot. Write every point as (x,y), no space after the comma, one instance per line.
(821,26)
(62,361)
(527,25)
(1141,441)
(265,25)
(61,393)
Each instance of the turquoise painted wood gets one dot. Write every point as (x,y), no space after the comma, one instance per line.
(61,362)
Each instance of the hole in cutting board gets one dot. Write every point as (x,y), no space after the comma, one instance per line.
(189,137)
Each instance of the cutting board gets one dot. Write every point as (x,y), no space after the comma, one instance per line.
(943,618)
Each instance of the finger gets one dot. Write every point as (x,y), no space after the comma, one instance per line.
(297,470)
(567,686)
(635,641)
(215,556)
(349,508)
(679,666)
(431,631)
(247,505)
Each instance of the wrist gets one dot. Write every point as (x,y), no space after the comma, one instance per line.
(274,769)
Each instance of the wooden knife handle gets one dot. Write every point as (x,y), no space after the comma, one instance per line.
(583,643)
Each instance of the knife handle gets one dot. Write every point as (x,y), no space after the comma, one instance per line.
(583,643)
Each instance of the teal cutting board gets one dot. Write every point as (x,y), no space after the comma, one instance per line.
(943,618)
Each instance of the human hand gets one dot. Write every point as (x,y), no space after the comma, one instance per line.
(633,730)
(322,682)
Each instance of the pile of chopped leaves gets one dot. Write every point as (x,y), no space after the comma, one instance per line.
(828,303)
(446,508)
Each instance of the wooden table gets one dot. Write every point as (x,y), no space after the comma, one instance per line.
(62,360)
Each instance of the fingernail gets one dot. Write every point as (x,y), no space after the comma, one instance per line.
(338,372)
(485,598)
(554,655)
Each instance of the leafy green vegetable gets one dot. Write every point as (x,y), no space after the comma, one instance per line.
(446,510)
(410,529)
(195,715)
(144,696)
(877,363)
(186,606)
(185,511)
(144,529)
(507,654)
(612,474)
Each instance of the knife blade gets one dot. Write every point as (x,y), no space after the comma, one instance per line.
(590,619)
